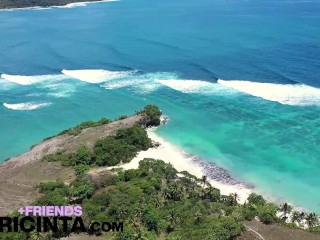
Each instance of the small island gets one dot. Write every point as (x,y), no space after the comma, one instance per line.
(101,166)
(12,4)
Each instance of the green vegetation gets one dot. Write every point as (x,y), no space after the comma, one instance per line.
(87,124)
(58,194)
(109,151)
(154,201)
(153,114)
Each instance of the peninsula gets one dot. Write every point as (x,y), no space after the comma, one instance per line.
(115,171)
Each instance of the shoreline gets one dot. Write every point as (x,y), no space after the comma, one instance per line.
(218,177)
(68,5)
(169,153)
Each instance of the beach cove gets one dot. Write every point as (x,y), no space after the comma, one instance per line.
(184,162)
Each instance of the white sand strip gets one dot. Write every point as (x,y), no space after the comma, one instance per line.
(182,162)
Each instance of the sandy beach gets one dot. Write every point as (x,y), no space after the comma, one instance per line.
(184,162)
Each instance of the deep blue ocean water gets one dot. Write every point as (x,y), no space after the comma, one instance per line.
(187,57)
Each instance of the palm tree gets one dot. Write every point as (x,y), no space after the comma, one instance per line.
(158,201)
(173,219)
(228,200)
(174,192)
(166,193)
(285,209)
(302,215)
(312,219)
(235,198)
(296,217)
(210,193)
(204,180)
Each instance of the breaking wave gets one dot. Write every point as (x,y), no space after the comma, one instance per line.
(54,85)
(188,86)
(143,83)
(27,106)
(95,75)
(195,86)
(290,94)
(83,4)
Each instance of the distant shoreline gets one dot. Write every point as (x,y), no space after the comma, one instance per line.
(8,5)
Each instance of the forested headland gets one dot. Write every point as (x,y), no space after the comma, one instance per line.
(155,201)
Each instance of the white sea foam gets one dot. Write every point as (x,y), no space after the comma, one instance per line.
(83,4)
(138,85)
(77,4)
(27,106)
(118,84)
(52,84)
(27,80)
(290,94)
(148,87)
(59,89)
(187,86)
(144,83)
(95,75)
(195,86)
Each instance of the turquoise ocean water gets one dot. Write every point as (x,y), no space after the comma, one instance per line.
(239,80)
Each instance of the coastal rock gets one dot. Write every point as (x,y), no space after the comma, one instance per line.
(212,171)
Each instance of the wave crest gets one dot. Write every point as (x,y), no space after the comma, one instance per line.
(144,83)
(83,4)
(27,106)
(289,94)
(95,75)
(195,86)
(187,86)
